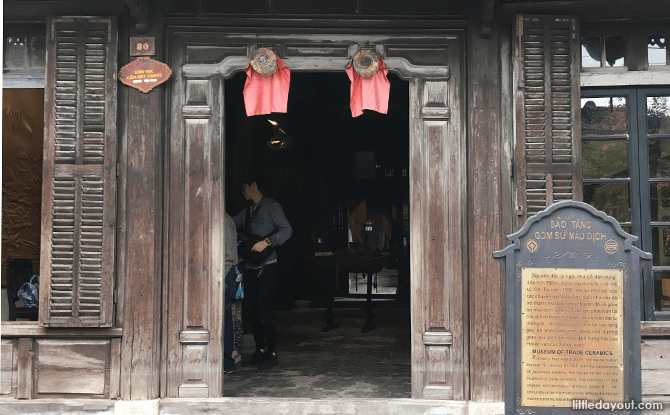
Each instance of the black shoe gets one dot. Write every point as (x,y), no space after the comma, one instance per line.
(268,362)
(255,359)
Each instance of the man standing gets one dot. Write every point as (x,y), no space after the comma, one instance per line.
(263,221)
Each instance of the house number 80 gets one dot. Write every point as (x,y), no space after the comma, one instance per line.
(142,46)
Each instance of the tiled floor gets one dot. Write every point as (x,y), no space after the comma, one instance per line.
(340,363)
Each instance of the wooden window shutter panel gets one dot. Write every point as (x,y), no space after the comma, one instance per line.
(79,176)
(547,112)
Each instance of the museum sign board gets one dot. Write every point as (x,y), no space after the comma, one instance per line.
(144,74)
(572,312)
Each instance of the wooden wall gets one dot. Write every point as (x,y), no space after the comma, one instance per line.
(78,364)
(44,367)
(22,126)
(126,363)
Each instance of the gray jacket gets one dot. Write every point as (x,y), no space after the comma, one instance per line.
(269,218)
(230,240)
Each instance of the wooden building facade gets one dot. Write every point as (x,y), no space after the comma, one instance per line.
(134,184)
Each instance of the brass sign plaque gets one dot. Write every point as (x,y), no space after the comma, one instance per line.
(572,336)
(144,74)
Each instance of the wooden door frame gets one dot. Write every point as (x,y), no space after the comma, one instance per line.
(438,193)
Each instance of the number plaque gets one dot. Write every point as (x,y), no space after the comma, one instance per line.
(142,46)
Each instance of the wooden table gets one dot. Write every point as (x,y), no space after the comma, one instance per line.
(366,262)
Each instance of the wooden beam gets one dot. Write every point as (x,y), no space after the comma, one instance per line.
(139,9)
(655,328)
(613,79)
(34,330)
(38,11)
(486,8)
(315,23)
(592,9)
(231,64)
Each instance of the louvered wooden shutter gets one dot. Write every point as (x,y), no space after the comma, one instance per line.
(79,177)
(547,100)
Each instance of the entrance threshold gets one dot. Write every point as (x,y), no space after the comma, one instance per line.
(257,406)
(263,406)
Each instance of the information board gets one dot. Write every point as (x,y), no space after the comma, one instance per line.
(572,331)
(572,313)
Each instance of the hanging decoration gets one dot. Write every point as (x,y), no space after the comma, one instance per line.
(366,63)
(264,61)
(369,87)
(267,85)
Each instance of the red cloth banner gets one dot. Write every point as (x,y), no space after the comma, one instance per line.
(369,93)
(266,94)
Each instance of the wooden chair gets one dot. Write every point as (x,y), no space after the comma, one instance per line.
(19,270)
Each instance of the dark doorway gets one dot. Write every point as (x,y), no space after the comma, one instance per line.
(343,184)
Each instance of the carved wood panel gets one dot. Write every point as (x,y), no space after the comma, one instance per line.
(438,249)
(86,363)
(195,321)
(194,369)
(438,205)
(47,367)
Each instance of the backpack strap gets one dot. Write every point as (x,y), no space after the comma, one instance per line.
(249,218)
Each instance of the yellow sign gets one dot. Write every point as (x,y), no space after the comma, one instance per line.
(572,336)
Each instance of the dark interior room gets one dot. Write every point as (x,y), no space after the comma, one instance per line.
(343,184)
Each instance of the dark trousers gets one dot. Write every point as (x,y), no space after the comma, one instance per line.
(228,332)
(259,299)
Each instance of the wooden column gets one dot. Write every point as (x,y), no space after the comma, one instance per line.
(139,234)
(484,222)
